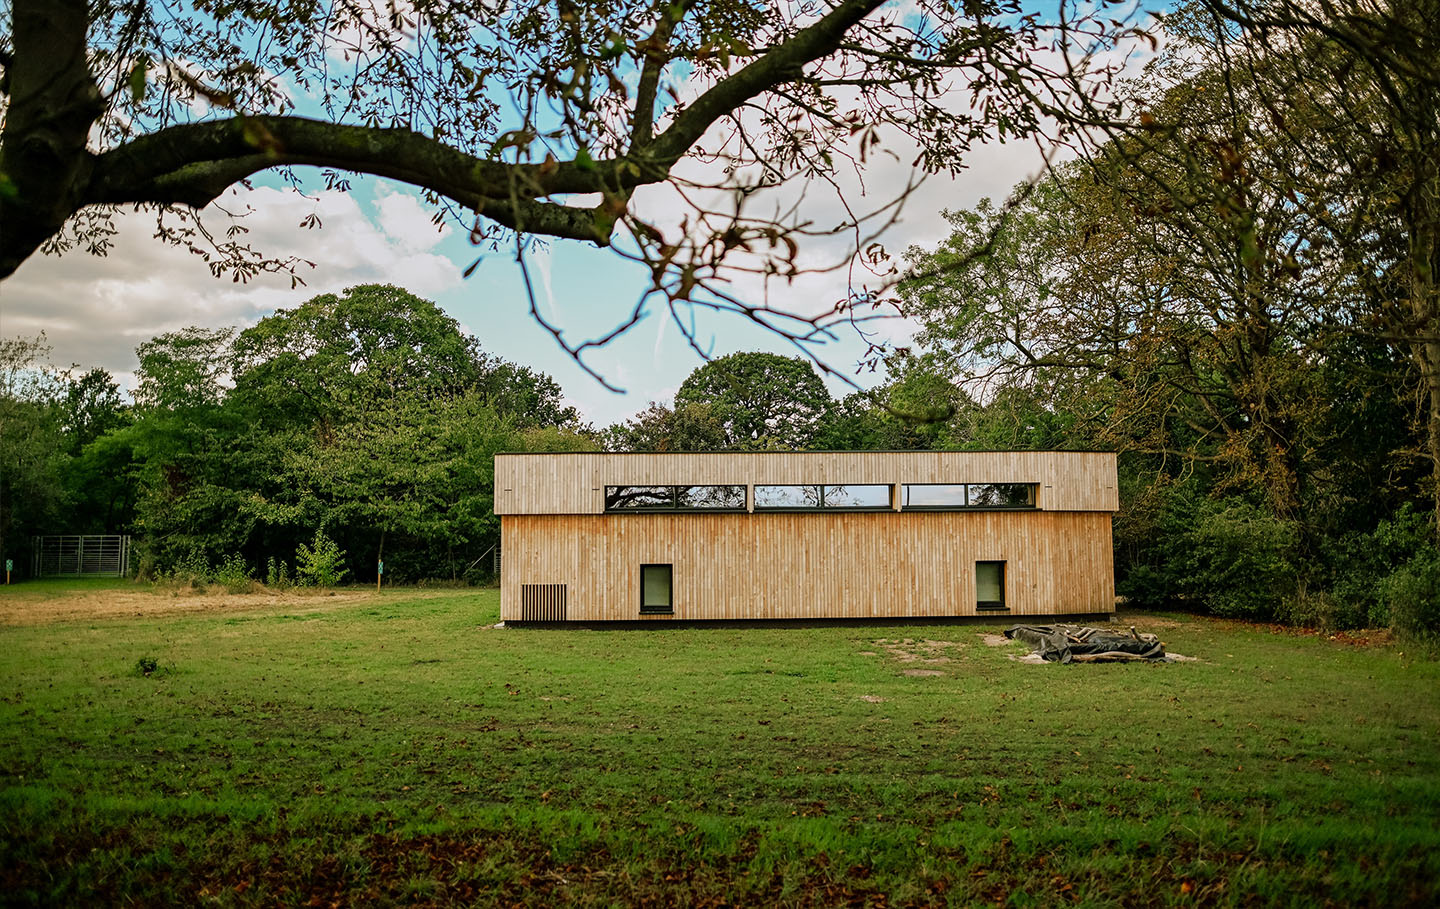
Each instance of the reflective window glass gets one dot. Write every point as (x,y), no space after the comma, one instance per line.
(868,496)
(935,495)
(1001,495)
(710,496)
(620,498)
(787,496)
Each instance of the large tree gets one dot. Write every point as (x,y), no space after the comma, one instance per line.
(501,112)
(761,401)
(1299,140)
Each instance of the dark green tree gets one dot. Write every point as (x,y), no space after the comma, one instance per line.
(351,351)
(762,401)
(32,445)
(684,427)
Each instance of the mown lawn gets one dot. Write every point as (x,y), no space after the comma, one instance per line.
(397,750)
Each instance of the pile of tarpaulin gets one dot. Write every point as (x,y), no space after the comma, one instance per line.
(1082,644)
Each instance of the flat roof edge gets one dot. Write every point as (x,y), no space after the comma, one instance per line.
(818,451)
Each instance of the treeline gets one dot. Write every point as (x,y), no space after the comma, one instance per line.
(1236,287)
(368,419)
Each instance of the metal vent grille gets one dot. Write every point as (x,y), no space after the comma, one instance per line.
(542,602)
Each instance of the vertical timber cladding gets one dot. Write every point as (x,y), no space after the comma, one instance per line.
(809,565)
(789,565)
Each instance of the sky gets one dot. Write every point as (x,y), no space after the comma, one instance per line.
(94,311)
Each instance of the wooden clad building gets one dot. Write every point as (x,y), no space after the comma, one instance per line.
(804,535)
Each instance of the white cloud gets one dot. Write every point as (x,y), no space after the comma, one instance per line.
(95,311)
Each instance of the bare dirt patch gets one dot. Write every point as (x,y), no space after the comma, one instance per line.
(921,673)
(994,640)
(44,608)
(911,650)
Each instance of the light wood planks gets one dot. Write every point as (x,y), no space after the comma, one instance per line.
(812,565)
(575,483)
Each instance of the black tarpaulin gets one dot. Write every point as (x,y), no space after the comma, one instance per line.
(1078,643)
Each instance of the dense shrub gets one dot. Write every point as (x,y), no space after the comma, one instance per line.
(321,564)
(1229,558)
(1413,597)
(190,570)
(1241,562)
(277,574)
(1362,563)
(1320,609)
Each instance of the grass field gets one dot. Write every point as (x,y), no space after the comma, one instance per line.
(392,748)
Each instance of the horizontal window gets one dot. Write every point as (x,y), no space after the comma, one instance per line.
(869,496)
(673,498)
(969,495)
(935,495)
(814,496)
(623,498)
(787,496)
(732,497)
(1001,495)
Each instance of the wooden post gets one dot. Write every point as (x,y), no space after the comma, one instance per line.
(379,573)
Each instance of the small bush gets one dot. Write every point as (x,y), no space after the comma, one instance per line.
(277,574)
(321,564)
(146,665)
(1363,563)
(234,575)
(193,570)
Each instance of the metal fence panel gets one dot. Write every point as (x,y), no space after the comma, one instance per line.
(81,556)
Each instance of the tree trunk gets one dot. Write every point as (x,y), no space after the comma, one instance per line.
(53,102)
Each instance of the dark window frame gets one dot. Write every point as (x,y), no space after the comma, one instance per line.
(668,609)
(675,507)
(1034,504)
(1000,605)
(822,507)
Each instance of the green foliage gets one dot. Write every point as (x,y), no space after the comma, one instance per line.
(1364,562)
(183,370)
(1320,609)
(1240,561)
(146,665)
(234,575)
(367,413)
(192,569)
(337,355)
(762,401)
(277,574)
(685,427)
(917,409)
(32,445)
(1231,558)
(1412,595)
(321,564)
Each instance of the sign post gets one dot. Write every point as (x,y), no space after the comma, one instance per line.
(379,573)
(9,567)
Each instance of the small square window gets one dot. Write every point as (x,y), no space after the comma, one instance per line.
(656,590)
(990,586)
